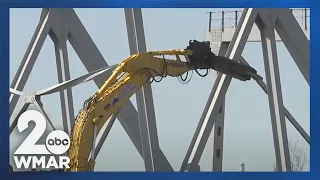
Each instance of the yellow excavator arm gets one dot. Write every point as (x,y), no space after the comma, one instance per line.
(130,76)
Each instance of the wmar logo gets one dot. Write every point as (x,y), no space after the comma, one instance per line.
(57,143)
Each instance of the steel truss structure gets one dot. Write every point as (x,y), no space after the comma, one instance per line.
(140,125)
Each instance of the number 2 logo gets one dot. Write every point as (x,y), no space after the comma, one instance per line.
(29,146)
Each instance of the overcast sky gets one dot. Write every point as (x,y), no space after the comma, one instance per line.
(248,135)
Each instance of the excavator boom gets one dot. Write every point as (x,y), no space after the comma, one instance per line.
(130,76)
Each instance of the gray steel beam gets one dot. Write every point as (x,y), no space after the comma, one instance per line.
(219,90)
(296,125)
(267,27)
(295,40)
(289,116)
(154,159)
(195,168)
(219,127)
(59,36)
(14,119)
(105,72)
(38,104)
(103,134)
(29,59)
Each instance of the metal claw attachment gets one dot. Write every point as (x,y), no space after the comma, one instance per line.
(201,54)
(203,58)
(233,68)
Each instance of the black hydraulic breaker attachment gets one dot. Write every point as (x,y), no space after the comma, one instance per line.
(203,58)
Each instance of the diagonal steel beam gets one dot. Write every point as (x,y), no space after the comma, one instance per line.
(219,90)
(289,116)
(295,40)
(29,59)
(103,134)
(14,119)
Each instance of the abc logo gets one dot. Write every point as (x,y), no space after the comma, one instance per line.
(58,142)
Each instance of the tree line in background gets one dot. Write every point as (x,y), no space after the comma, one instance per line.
(298,157)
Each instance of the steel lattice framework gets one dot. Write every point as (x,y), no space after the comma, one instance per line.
(141,126)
